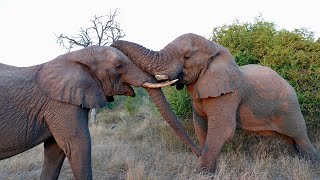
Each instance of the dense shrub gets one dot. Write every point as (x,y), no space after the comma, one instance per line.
(132,104)
(295,55)
(180,102)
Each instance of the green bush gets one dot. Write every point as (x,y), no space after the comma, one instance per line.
(295,55)
(180,102)
(132,104)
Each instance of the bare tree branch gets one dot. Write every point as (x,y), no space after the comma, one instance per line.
(104,30)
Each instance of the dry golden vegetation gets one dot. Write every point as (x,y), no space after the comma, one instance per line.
(142,146)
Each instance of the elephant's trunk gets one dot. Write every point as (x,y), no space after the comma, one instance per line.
(160,101)
(153,62)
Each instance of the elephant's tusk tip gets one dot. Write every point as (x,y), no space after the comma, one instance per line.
(158,85)
(161,77)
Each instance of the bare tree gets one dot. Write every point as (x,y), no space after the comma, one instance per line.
(103,31)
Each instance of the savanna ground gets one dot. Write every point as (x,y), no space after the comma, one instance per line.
(140,145)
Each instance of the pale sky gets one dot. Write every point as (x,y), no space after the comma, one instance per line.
(27,27)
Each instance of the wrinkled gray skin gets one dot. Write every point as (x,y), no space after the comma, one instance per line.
(224,96)
(50,102)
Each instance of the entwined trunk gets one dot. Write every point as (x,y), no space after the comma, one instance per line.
(153,62)
(159,63)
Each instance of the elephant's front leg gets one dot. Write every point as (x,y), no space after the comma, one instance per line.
(221,128)
(53,160)
(70,130)
(200,127)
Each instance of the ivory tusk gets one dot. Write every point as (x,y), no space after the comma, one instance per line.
(158,85)
(161,77)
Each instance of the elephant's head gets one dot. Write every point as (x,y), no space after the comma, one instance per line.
(91,76)
(192,59)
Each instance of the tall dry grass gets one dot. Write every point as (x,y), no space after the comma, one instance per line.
(142,146)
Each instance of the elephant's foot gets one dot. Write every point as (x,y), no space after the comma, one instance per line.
(207,169)
(293,150)
(314,158)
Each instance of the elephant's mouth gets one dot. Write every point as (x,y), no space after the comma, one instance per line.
(110,99)
(127,90)
(180,84)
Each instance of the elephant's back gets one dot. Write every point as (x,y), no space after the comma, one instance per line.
(266,82)
(16,80)
(7,71)
(265,96)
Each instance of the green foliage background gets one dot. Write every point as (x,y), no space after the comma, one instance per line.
(295,55)
(180,102)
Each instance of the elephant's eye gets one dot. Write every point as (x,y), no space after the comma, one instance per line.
(119,66)
(187,56)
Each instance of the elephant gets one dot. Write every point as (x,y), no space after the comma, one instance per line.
(224,96)
(49,103)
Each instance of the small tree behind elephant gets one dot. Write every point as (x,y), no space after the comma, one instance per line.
(223,95)
(50,102)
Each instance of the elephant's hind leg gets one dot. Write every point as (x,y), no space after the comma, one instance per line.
(307,148)
(290,122)
(301,142)
(53,160)
(293,147)
(293,126)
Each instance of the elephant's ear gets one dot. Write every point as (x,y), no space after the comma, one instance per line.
(221,77)
(71,82)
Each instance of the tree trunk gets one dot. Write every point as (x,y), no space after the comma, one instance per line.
(93,116)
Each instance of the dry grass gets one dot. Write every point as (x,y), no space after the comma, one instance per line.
(143,147)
